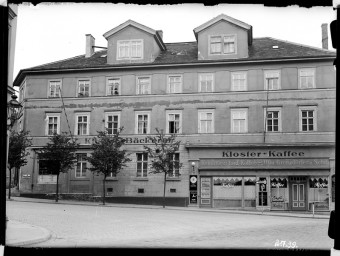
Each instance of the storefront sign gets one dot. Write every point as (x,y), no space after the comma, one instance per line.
(321,206)
(128,140)
(277,199)
(263,154)
(278,205)
(193,197)
(279,163)
(205,187)
(26,176)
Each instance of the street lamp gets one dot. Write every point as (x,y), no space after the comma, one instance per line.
(193,167)
(14,112)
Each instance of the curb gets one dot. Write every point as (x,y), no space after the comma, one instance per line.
(46,235)
(308,216)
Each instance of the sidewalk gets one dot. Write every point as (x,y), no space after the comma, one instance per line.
(17,232)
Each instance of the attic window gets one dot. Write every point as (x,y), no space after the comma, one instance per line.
(275,47)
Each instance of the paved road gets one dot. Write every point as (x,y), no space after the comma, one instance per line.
(103,226)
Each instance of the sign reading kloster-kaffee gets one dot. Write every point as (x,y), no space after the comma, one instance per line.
(263,154)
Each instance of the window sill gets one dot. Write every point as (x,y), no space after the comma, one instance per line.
(111,179)
(141,179)
(173,179)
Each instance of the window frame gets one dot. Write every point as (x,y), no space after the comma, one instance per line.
(174,168)
(148,114)
(142,162)
(173,112)
(113,113)
(129,49)
(232,119)
(267,74)
(272,109)
(107,86)
(49,88)
(42,178)
(300,78)
(181,83)
(83,170)
(315,117)
(138,85)
(222,43)
(78,87)
(77,123)
(233,81)
(206,111)
(200,80)
(48,115)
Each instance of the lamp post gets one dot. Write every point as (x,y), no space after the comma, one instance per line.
(14,112)
(193,167)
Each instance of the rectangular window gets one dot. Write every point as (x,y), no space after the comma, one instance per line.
(143,85)
(174,165)
(54,88)
(307,78)
(142,164)
(46,174)
(112,175)
(273,119)
(239,120)
(83,88)
(175,84)
(112,122)
(205,121)
(308,119)
(206,82)
(81,166)
(113,86)
(239,81)
(130,49)
(82,124)
(272,80)
(143,123)
(52,124)
(174,122)
(222,44)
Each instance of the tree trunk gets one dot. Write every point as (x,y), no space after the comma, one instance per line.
(164,190)
(104,189)
(9,183)
(56,196)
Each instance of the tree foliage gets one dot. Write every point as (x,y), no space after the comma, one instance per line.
(107,156)
(60,154)
(161,155)
(18,142)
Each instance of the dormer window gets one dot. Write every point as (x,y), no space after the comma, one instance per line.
(223,44)
(129,49)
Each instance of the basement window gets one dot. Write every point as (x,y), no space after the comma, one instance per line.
(141,190)
(172,190)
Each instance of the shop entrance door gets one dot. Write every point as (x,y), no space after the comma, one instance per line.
(298,192)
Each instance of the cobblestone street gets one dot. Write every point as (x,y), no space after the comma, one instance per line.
(105,226)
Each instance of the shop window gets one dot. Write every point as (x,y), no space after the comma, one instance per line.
(263,193)
(249,191)
(318,193)
(227,192)
(48,171)
(279,193)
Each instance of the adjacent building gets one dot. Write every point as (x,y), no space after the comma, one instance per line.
(255,116)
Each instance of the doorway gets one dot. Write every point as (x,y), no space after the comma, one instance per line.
(298,187)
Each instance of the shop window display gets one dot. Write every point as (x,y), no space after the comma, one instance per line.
(249,191)
(318,193)
(227,192)
(279,193)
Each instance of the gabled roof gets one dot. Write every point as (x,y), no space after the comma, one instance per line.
(227,19)
(262,49)
(139,26)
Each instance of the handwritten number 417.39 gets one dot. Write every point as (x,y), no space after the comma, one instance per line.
(286,244)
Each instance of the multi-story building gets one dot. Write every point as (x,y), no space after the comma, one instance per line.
(255,116)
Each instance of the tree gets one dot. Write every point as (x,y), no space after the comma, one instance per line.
(18,142)
(107,156)
(163,156)
(59,154)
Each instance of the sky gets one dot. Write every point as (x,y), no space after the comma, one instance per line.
(56,31)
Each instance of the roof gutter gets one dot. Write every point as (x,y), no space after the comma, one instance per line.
(23,72)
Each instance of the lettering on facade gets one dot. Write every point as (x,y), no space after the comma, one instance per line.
(264,163)
(267,154)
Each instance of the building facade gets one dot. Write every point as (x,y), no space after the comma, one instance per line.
(255,116)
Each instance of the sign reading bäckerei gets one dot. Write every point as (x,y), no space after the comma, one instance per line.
(264,163)
(264,154)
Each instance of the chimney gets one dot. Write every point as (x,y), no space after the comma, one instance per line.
(324,29)
(160,33)
(89,50)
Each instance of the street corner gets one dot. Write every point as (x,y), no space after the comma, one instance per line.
(20,234)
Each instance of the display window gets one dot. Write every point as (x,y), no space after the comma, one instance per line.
(279,193)
(227,192)
(318,193)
